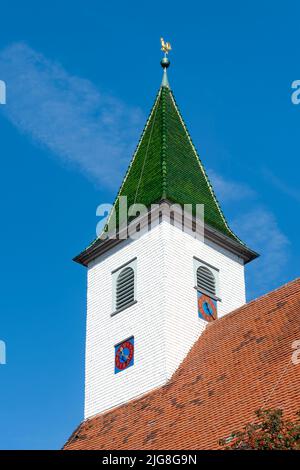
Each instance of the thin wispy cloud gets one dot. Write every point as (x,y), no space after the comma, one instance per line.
(259,229)
(228,190)
(257,226)
(97,133)
(279,183)
(68,115)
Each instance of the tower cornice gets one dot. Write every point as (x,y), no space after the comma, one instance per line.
(153,217)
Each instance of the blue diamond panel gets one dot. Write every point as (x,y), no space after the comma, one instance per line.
(124,355)
(207,307)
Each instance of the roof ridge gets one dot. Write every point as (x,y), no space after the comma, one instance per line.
(147,149)
(209,325)
(166,165)
(139,144)
(203,169)
(155,105)
(240,374)
(256,300)
(283,286)
(164,143)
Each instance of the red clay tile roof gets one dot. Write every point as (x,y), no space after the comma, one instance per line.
(239,364)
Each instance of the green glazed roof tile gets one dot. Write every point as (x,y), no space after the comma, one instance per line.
(165,165)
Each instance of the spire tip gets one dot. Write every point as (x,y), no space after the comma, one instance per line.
(165,63)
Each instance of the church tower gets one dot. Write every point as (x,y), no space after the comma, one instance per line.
(151,295)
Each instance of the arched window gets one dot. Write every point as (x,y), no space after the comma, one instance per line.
(125,288)
(206,280)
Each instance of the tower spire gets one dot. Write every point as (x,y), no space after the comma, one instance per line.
(166,48)
(166,166)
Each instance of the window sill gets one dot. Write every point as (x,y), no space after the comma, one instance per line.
(203,291)
(123,308)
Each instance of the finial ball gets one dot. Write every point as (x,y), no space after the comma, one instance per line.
(165,62)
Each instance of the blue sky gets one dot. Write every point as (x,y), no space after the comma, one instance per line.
(81,78)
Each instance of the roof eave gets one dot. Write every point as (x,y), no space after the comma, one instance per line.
(234,246)
(238,248)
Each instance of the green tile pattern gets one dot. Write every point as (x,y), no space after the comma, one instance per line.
(166,165)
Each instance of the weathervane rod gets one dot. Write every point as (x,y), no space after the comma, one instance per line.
(166,48)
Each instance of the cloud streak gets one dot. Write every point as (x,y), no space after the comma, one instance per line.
(285,188)
(97,133)
(257,226)
(68,115)
(259,229)
(229,190)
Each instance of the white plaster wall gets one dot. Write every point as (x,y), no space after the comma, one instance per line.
(144,321)
(164,321)
(182,324)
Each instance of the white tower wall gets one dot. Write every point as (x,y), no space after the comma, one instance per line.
(164,321)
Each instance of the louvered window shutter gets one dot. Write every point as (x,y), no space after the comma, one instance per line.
(125,288)
(206,280)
